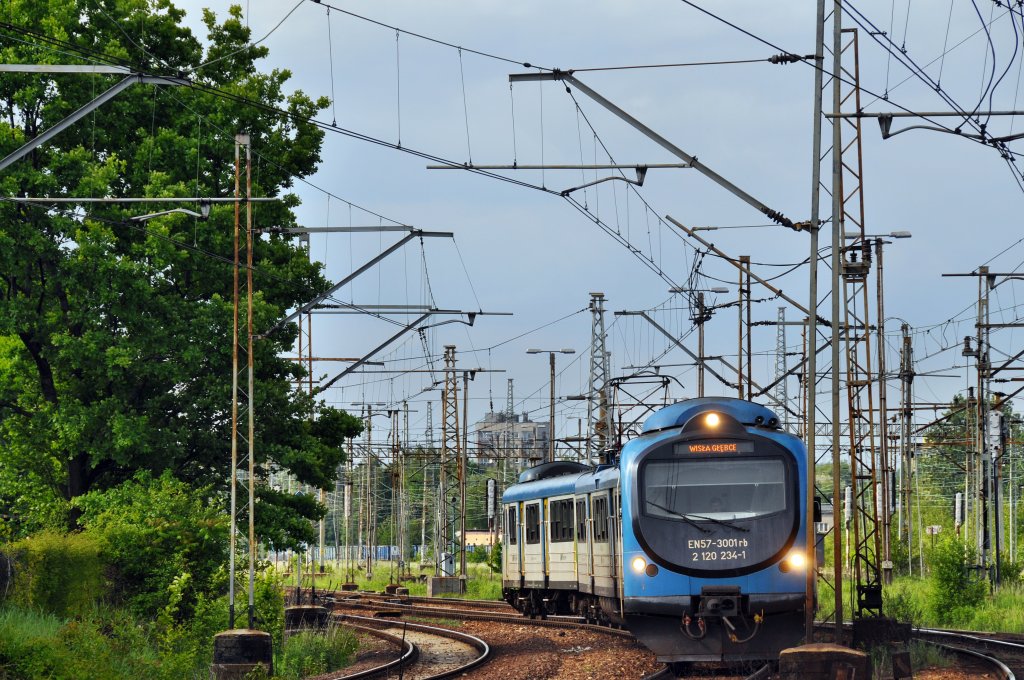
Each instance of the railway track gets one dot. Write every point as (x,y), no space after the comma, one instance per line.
(1006,657)
(426,652)
(521,647)
(1002,656)
(396,606)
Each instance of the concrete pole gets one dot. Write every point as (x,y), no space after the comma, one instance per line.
(883,418)
(748,327)
(463,472)
(551,416)
(700,344)
(739,327)
(811,330)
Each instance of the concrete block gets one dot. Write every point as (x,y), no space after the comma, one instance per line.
(445,585)
(306,616)
(824,661)
(240,651)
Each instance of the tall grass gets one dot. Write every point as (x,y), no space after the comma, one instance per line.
(106,646)
(311,653)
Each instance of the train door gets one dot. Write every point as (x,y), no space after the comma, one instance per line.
(582,545)
(561,544)
(533,547)
(545,543)
(604,575)
(512,563)
(613,536)
(615,523)
(591,544)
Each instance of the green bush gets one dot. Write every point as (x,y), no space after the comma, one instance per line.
(494,560)
(163,541)
(186,646)
(955,593)
(60,574)
(1009,571)
(901,604)
(310,653)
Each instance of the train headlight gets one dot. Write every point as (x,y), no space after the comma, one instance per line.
(795,561)
(712,420)
(639,564)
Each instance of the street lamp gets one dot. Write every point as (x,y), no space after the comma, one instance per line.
(551,425)
(700,318)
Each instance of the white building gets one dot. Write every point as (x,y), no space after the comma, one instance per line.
(512,437)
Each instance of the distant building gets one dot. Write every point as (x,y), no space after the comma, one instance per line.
(511,437)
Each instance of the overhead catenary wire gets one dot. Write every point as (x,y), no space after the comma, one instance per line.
(724,62)
(437,41)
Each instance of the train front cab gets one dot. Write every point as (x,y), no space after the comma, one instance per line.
(714,537)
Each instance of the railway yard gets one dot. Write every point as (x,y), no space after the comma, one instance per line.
(500,642)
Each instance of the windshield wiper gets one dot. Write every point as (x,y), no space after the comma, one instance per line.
(718,521)
(680,516)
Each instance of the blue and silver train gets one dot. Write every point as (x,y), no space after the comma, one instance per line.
(694,539)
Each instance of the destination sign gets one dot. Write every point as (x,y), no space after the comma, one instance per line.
(715,447)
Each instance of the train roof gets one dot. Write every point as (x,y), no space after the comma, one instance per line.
(677,415)
(562,485)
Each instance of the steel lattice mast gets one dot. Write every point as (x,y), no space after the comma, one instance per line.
(856,265)
(599,413)
(781,392)
(452,481)
(242,398)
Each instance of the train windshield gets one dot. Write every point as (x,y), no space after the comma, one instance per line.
(726,489)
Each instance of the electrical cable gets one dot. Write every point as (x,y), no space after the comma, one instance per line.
(437,41)
(692,63)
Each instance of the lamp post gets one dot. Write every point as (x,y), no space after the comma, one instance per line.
(551,425)
(699,318)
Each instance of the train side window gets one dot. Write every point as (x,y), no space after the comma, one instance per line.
(581,521)
(533,523)
(512,527)
(561,521)
(600,515)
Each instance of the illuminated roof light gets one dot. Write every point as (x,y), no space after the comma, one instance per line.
(712,420)
(639,564)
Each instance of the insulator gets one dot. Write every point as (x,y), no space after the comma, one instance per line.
(784,58)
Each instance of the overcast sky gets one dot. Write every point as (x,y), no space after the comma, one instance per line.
(530,253)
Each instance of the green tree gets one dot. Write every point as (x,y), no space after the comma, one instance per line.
(115,337)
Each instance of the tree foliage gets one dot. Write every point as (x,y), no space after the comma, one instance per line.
(116,336)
